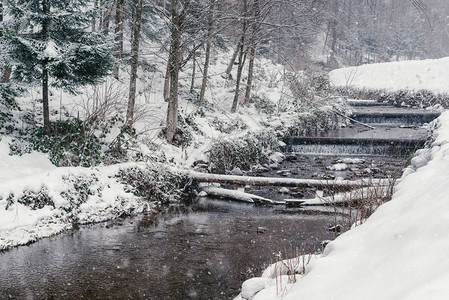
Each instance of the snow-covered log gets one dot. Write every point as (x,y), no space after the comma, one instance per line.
(367,193)
(238,195)
(296,182)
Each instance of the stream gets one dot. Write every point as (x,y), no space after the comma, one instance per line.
(207,249)
(204,251)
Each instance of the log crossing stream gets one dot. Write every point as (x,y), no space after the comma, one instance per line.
(207,249)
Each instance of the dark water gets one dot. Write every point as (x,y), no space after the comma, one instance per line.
(201,252)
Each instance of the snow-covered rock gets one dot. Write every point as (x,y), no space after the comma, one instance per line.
(284,190)
(338,167)
(252,286)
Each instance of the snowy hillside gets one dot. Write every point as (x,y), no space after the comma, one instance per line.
(431,74)
(402,251)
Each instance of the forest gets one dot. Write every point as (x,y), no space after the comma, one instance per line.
(65,45)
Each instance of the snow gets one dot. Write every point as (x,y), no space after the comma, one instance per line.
(51,50)
(338,167)
(252,286)
(349,160)
(430,74)
(402,250)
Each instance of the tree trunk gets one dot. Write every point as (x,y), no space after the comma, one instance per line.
(208,45)
(167,81)
(118,34)
(238,196)
(6,74)
(192,82)
(106,20)
(134,64)
(94,20)
(252,51)
(231,63)
(45,100)
(241,59)
(6,71)
(172,112)
(177,27)
(252,54)
(293,182)
(46,33)
(334,26)
(239,76)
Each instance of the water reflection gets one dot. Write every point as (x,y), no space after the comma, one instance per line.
(204,253)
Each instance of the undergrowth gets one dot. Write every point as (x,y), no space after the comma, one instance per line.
(77,143)
(420,98)
(243,152)
(154,184)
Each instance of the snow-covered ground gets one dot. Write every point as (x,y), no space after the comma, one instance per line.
(402,250)
(431,74)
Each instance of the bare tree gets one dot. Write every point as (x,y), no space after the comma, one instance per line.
(134,63)
(119,13)
(241,56)
(252,49)
(210,25)
(178,13)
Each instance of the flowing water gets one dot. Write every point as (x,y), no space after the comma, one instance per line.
(201,252)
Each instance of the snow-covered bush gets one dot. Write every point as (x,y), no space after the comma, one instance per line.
(411,98)
(228,127)
(153,184)
(308,86)
(78,143)
(316,119)
(242,152)
(33,199)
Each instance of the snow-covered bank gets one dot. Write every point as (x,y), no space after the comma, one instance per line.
(60,193)
(428,74)
(401,252)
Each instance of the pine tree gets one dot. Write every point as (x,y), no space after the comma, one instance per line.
(48,42)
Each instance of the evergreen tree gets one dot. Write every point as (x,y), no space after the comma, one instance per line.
(48,42)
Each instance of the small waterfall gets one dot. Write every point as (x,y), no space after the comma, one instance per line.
(348,149)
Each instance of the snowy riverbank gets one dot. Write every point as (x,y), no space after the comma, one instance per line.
(57,189)
(401,251)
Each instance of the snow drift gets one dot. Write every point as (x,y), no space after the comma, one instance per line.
(431,74)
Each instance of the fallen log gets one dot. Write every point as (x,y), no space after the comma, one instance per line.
(357,195)
(238,195)
(292,182)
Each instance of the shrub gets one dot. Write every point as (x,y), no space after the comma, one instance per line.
(153,184)
(421,98)
(78,143)
(242,152)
